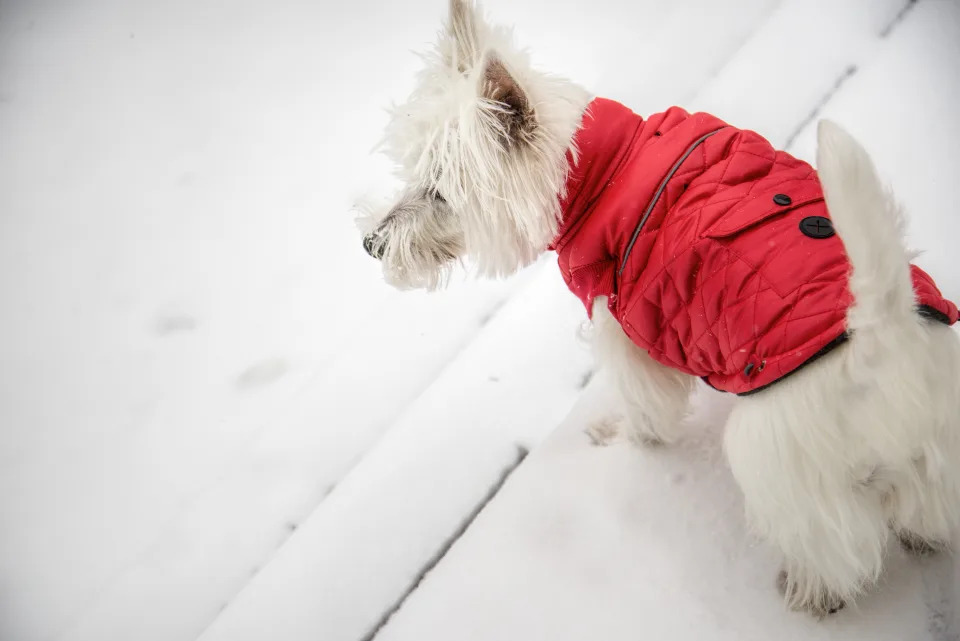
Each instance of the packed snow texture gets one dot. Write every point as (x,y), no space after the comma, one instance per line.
(217,421)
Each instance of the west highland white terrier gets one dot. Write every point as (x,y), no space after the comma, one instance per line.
(700,251)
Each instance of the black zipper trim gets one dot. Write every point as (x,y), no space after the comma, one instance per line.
(656,196)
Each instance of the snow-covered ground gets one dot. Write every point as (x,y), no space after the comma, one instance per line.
(217,422)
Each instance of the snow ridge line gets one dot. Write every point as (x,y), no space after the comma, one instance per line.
(838,83)
(523,279)
(897,19)
(441,552)
(846,75)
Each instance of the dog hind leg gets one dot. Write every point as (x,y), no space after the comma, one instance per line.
(925,501)
(809,491)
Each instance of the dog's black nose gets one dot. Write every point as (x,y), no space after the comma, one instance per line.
(372,247)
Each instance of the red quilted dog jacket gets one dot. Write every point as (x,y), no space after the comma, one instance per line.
(715,250)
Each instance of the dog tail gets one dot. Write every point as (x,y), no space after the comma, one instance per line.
(871,226)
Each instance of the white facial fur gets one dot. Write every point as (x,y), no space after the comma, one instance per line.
(482,146)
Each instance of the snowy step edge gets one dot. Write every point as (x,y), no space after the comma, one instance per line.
(683,493)
(867,57)
(802,79)
(466,429)
(257,482)
(451,540)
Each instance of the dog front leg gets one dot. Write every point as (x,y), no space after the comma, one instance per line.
(656,397)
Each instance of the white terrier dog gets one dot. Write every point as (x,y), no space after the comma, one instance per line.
(502,163)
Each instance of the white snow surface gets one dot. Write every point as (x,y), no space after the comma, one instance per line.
(615,543)
(217,421)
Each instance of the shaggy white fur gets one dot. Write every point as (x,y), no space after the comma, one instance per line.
(488,136)
(863,442)
(866,438)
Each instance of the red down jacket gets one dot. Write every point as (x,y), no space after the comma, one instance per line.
(706,240)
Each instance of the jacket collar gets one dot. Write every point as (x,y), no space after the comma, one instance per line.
(602,142)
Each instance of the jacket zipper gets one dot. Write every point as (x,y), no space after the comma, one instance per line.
(656,196)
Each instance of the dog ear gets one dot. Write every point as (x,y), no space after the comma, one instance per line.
(514,110)
(463,31)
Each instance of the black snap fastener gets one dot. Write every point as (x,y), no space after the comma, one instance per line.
(817,227)
(782,199)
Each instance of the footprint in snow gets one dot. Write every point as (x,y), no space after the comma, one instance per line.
(262,374)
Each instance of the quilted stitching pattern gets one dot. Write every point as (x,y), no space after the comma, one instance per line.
(752,317)
(755,291)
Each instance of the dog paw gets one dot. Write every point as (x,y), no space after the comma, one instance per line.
(646,439)
(643,431)
(819,603)
(914,544)
(604,431)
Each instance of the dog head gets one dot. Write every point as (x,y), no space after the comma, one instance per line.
(481,145)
